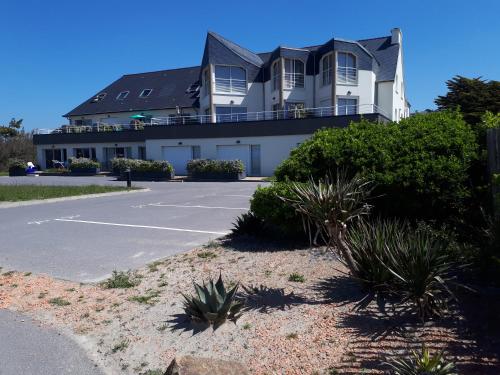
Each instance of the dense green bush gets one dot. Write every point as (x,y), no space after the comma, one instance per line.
(16,164)
(267,205)
(83,163)
(137,165)
(216,167)
(120,164)
(420,165)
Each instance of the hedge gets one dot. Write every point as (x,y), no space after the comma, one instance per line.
(420,165)
(215,168)
(82,164)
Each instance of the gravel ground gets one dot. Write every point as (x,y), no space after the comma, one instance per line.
(309,327)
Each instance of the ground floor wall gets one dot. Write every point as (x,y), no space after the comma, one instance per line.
(261,155)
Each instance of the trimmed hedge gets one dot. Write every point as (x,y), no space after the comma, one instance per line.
(214,169)
(79,164)
(420,165)
(17,167)
(267,205)
(143,169)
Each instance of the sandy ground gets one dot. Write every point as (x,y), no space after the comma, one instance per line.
(310,327)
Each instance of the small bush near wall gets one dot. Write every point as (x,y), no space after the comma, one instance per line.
(17,167)
(267,205)
(420,165)
(215,169)
(83,166)
(143,169)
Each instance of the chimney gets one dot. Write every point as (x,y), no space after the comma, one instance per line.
(397,36)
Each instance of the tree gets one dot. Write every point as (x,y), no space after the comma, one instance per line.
(12,130)
(473,96)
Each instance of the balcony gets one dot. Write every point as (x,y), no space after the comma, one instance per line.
(230,85)
(347,75)
(290,114)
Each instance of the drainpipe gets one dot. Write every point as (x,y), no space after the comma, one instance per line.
(211,93)
(334,83)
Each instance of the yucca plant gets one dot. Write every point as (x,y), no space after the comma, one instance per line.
(422,270)
(213,303)
(369,244)
(329,206)
(248,224)
(423,363)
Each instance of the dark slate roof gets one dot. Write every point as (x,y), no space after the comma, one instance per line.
(386,54)
(170,89)
(244,53)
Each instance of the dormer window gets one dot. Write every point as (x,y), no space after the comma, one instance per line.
(145,93)
(98,97)
(275,75)
(122,95)
(230,79)
(326,70)
(347,71)
(294,73)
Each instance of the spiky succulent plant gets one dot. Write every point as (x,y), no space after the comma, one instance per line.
(212,303)
(423,363)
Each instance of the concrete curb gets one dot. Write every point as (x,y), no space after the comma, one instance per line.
(70,198)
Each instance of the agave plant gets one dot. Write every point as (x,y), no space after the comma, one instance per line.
(213,303)
(329,206)
(423,363)
(248,224)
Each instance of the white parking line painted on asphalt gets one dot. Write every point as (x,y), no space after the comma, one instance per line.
(187,206)
(141,226)
(237,195)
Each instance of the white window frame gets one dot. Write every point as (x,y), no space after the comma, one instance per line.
(330,57)
(351,97)
(141,95)
(240,116)
(98,97)
(122,92)
(347,81)
(233,82)
(291,83)
(206,83)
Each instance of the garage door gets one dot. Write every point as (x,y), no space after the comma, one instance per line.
(178,156)
(233,152)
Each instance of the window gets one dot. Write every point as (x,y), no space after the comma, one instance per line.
(122,95)
(196,151)
(294,73)
(230,79)
(326,69)
(347,106)
(98,97)
(346,68)
(206,82)
(145,93)
(275,75)
(88,153)
(142,152)
(83,122)
(230,114)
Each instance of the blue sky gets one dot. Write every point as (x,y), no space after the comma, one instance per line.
(56,54)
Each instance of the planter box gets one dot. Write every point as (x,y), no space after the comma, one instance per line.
(217,176)
(84,171)
(148,176)
(13,172)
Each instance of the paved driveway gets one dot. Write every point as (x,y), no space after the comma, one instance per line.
(85,240)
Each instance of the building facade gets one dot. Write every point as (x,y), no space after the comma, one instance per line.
(237,104)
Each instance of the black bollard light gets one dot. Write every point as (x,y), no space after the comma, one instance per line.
(129,177)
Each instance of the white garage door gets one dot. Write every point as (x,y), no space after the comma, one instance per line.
(233,152)
(178,156)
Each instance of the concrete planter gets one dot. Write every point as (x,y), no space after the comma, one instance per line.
(16,171)
(217,176)
(84,171)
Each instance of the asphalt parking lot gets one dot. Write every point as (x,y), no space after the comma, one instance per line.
(86,239)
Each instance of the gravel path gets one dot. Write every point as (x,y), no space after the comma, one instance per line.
(309,327)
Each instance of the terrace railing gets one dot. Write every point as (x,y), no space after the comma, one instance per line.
(293,113)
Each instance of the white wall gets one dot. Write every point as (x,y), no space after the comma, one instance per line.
(273,149)
(253,99)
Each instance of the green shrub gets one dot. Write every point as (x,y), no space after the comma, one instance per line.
(420,165)
(248,224)
(83,163)
(119,280)
(16,164)
(267,205)
(215,166)
(120,164)
(138,165)
(420,363)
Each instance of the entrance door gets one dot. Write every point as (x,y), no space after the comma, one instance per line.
(178,156)
(233,152)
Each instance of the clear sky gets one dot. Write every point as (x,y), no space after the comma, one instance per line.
(55,54)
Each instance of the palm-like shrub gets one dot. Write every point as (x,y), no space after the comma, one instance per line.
(422,363)
(329,206)
(369,244)
(248,224)
(213,303)
(422,269)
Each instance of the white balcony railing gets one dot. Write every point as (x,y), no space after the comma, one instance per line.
(293,80)
(293,113)
(347,75)
(230,85)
